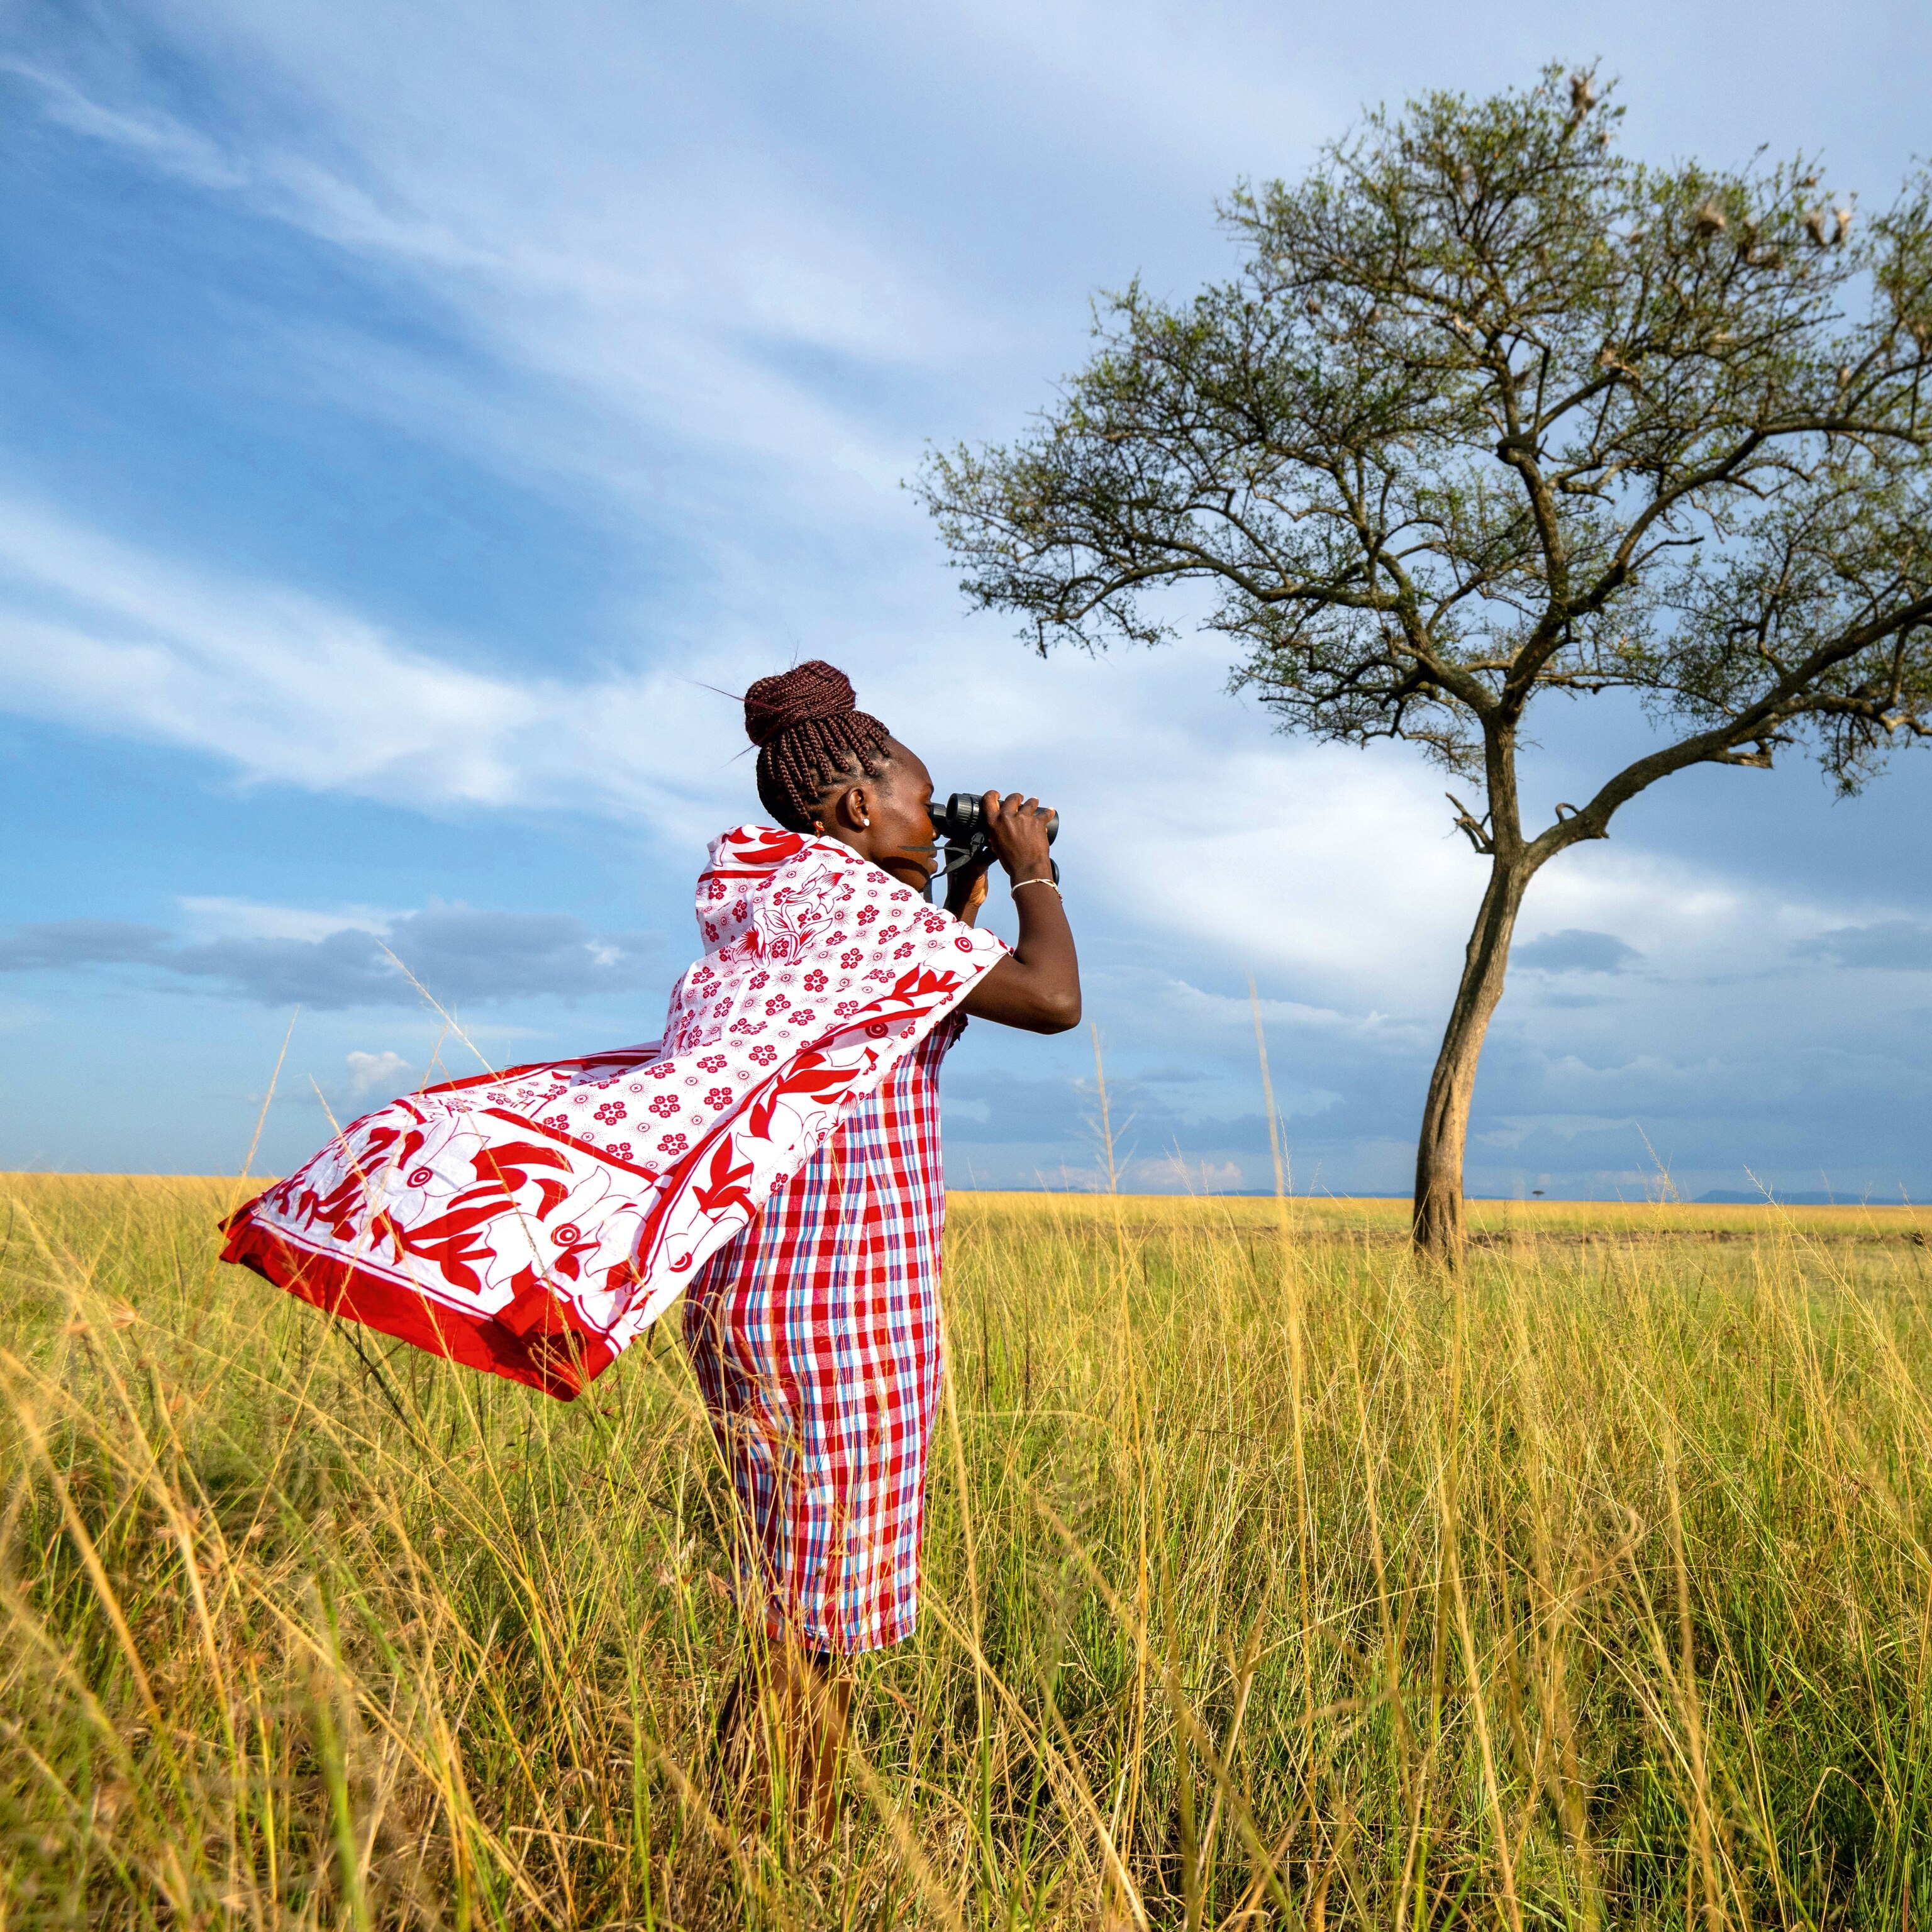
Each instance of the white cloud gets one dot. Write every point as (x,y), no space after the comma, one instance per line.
(1176,1174)
(369,1071)
(280,683)
(1321,861)
(286,688)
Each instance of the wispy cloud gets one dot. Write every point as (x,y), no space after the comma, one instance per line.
(289,688)
(154,137)
(678,313)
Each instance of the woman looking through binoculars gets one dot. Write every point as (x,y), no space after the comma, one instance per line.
(774,1159)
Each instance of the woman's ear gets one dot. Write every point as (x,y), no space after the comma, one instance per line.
(850,810)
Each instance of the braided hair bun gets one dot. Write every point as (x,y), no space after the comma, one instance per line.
(810,733)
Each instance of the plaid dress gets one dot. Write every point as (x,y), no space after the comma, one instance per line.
(815,1338)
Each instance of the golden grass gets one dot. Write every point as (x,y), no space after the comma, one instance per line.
(1268,1581)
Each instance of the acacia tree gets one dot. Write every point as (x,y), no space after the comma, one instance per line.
(1492,413)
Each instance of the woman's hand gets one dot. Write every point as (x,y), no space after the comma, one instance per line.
(1016,828)
(1037,985)
(966,893)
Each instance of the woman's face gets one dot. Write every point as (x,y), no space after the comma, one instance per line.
(888,819)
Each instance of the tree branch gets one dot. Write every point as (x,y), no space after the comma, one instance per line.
(1759,725)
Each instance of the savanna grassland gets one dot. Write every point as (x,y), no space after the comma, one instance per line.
(1269,1580)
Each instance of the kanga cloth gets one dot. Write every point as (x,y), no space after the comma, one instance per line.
(535,1222)
(815,1337)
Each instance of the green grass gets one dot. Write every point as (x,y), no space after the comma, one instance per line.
(1268,1581)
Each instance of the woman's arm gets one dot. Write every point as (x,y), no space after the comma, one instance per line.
(1037,985)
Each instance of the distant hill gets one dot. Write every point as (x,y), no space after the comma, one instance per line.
(1809,1197)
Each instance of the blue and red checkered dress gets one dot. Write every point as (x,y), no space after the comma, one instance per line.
(815,1337)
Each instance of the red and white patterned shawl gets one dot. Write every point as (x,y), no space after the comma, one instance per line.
(535,1222)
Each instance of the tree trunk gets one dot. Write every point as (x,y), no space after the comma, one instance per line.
(1437,1228)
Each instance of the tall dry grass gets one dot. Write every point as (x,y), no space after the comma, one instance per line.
(1268,1581)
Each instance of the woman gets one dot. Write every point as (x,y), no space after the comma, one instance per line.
(776,1153)
(815,1334)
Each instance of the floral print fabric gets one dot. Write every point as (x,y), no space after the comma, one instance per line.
(534,1222)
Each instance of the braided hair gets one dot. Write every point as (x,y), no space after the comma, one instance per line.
(810,734)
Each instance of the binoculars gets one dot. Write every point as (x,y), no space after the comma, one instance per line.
(961,823)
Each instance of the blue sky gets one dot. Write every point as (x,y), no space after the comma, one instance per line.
(415,416)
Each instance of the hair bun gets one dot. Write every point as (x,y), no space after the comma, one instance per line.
(803,695)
